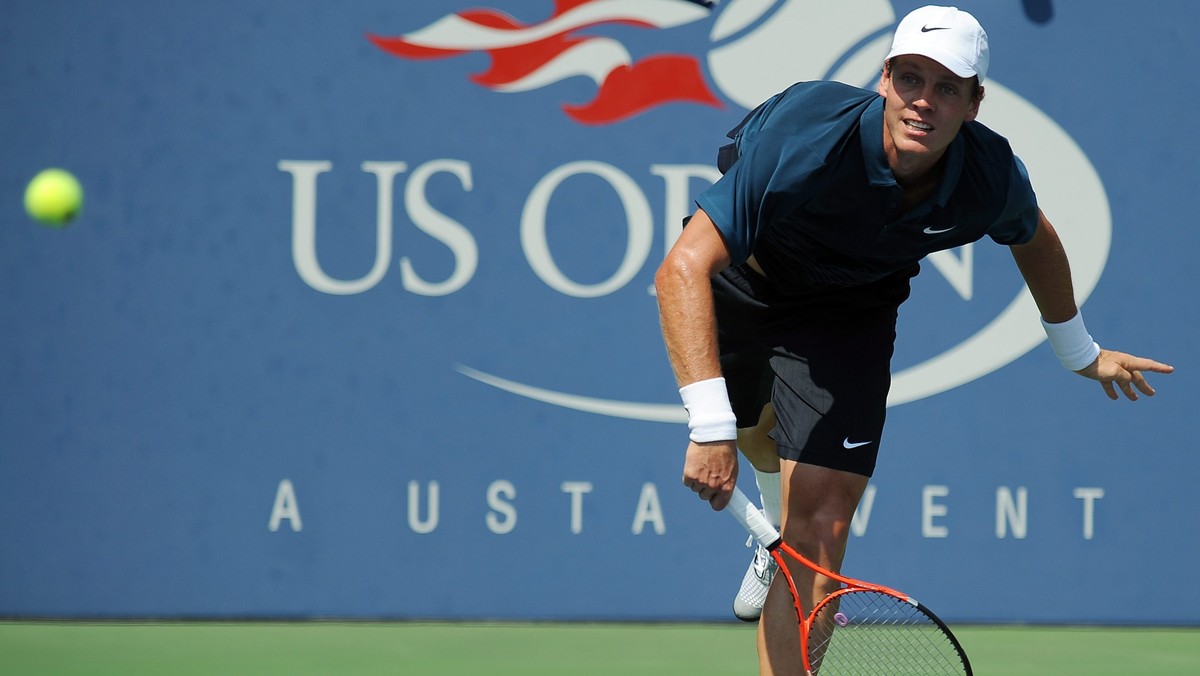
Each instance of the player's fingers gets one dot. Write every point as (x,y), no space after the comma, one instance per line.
(1122,378)
(1140,382)
(1110,390)
(721,500)
(1143,364)
(695,486)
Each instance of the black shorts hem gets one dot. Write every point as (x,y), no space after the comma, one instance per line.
(853,461)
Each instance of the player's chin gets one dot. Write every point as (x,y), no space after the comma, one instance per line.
(921,143)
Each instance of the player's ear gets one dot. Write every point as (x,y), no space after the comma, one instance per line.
(973,110)
(883,78)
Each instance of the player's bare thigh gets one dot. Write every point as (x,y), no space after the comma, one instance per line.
(757,446)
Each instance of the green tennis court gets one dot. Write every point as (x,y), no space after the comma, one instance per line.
(434,649)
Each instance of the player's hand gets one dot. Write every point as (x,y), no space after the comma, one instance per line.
(711,470)
(1119,370)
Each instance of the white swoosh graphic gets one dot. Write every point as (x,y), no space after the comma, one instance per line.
(454,32)
(595,59)
(664,413)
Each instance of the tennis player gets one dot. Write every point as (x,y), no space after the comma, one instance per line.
(779,300)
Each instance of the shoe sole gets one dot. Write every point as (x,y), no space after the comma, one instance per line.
(747,617)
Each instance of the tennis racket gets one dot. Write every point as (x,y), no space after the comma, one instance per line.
(862,628)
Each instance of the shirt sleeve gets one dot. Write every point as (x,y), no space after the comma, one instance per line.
(1019,219)
(769,180)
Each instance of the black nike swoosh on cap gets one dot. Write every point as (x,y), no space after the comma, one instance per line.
(926,29)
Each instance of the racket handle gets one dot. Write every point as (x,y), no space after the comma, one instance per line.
(752,519)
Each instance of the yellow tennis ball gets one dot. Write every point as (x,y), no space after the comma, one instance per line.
(54,197)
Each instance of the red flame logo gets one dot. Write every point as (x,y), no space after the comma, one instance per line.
(525,57)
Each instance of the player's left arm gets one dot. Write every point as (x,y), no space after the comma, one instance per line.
(1044,265)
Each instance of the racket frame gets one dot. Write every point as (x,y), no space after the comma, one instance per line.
(752,519)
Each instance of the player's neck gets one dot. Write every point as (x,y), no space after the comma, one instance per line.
(918,176)
(914,168)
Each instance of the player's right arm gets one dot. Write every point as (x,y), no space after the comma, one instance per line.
(683,284)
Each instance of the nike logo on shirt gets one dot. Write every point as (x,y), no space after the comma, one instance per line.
(853,444)
(931,231)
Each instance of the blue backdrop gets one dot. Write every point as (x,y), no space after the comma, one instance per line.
(357,286)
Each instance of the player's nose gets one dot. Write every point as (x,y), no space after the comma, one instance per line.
(924,99)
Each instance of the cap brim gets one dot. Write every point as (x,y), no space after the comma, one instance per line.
(947,58)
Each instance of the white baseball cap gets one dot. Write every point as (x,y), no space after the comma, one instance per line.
(947,35)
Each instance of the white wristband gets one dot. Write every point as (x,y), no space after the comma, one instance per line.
(1072,343)
(710,417)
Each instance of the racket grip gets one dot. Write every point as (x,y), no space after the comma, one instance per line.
(752,519)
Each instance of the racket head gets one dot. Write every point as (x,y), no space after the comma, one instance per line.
(878,631)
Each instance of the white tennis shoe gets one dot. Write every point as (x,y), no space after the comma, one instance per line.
(748,603)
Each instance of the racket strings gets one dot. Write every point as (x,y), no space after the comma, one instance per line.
(873,633)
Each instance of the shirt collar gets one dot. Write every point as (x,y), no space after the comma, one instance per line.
(879,174)
(870,131)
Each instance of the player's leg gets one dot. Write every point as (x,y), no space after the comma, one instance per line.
(827,435)
(820,505)
(759,449)
(832,375)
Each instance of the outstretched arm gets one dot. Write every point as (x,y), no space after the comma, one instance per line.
(1043,263)
(685,302)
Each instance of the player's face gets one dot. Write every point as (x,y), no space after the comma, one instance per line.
(925,106)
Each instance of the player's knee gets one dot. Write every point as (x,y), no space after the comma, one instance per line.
(758,448)
(820,533)
(826,526)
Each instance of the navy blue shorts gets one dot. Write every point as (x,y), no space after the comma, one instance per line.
(823,359)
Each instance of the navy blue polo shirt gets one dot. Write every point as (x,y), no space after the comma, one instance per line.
(811,195)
